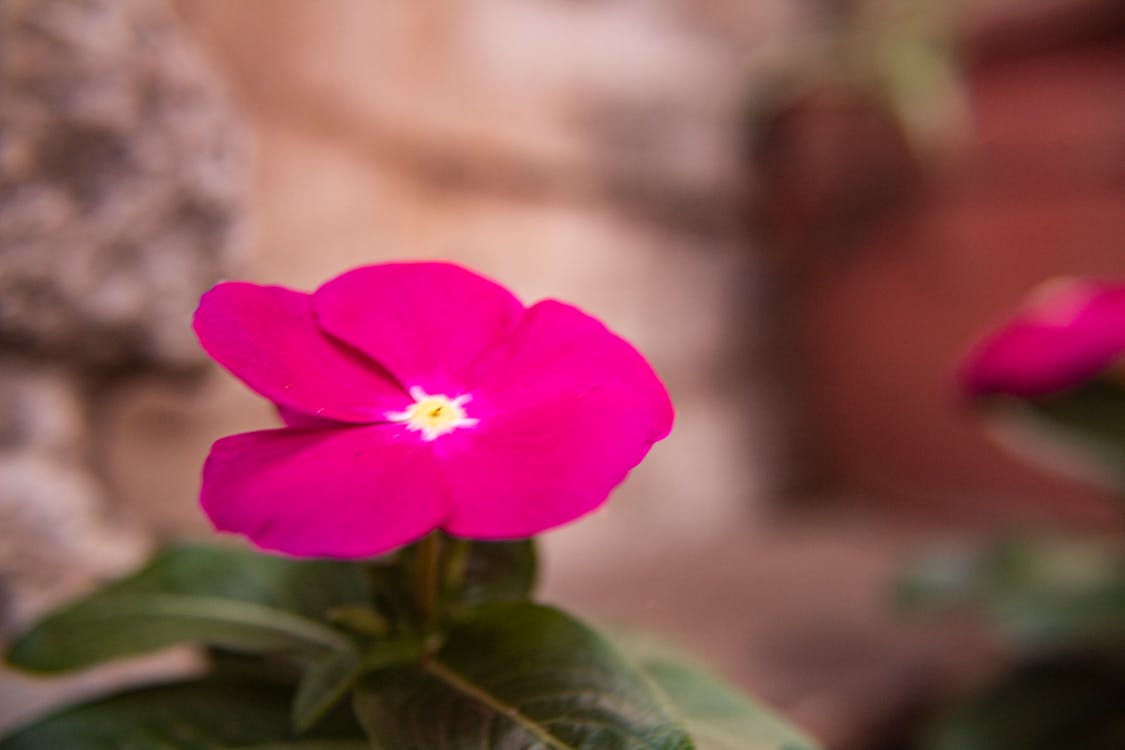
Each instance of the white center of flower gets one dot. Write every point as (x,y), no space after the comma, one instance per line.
(433,416)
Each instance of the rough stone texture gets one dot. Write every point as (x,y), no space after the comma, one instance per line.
(56,539)
(120,178)
(118,170)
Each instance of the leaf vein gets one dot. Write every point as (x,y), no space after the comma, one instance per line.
(462,685)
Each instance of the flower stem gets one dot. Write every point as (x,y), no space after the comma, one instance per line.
(457,562)
(429,577)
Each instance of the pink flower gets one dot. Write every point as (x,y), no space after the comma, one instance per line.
(420,396)
(1069,332)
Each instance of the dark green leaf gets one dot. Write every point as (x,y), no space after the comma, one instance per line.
(281,667)
(393,593)
(715,715)
(1084,429)
(200,715)
(360,620)
(465,574)
(1042,594)
(324,684)
(304,587)
(232,598)
(327,680)
(113,626)
(357,744)
(1095,410)
(517,675)
(1076,703)
(493,571)
(939,581)
(1056,594)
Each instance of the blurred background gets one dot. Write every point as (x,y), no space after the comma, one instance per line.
(801,212)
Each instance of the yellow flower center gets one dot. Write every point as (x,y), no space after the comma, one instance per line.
(433,415)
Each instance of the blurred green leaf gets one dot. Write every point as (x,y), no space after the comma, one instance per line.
(325,683)
(467,574)
(305,587)
(1043,594)
(1065,704)
(225,597)
(1096,409)
(493,571)
(1087,421)
(939,580)
(360,620)
(1057,594)
(717,716)
(198,715)
(113,626)
(520,675)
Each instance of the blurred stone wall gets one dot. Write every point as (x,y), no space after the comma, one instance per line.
(121,176)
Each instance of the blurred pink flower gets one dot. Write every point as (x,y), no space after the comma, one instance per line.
(1068,332)
(420,396)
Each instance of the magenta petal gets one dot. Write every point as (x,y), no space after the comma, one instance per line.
(566,409)
(302,421)
(521,473)
(559,351)
(266,336)
(1063,339)
(344,493)
(425,322)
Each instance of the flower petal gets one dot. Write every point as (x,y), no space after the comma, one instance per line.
(1070,333)
(566,408)
(425,322)
(522,472)
(559,350)
(343,493)
(266,336)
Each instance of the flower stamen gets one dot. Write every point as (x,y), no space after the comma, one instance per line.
(434,415)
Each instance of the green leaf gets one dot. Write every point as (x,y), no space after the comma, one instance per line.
(1082,430)
(110,627)
(393,595)
(938,581)
(327,680)
(464,574)
(1052,595)
(472,573)
(359,744)
(324,684)
(493,571)
(1095,410)
(715,715)
(304,587)
(363,621)
(199,715)
(1042,594)
(225,597)
(516,675)
(1073,703)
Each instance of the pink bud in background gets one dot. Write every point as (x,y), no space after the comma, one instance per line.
(1068,332)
